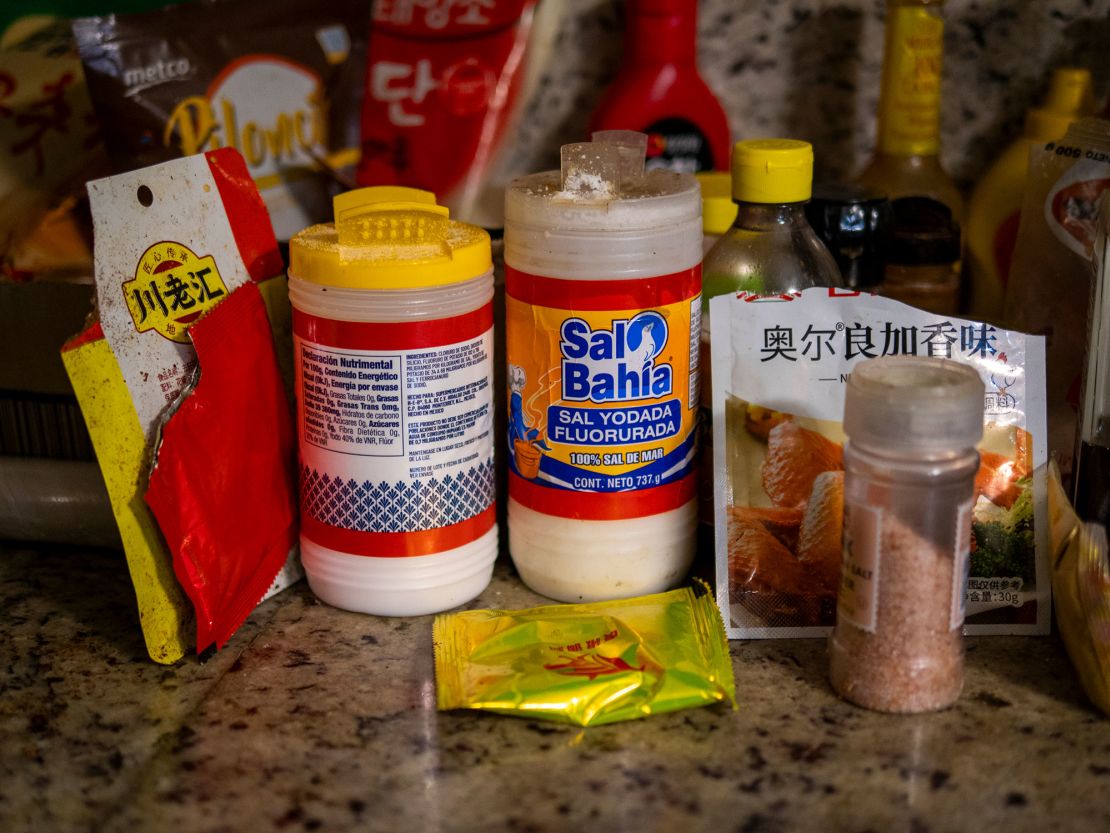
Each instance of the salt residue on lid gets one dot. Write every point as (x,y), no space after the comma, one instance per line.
(659,198)
(586,187)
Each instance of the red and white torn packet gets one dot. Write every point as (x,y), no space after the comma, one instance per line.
(176,244)
(779,369)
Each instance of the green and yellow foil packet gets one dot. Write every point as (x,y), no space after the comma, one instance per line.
(586,664)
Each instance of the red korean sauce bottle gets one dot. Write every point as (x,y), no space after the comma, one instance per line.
(659,91)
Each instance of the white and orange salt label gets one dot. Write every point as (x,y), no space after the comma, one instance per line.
(603,393)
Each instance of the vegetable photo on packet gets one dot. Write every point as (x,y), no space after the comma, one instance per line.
(1002,535)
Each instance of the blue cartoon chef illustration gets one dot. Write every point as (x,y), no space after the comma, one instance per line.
(523,438)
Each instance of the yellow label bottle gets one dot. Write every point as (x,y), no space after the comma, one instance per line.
(906,161)
(995,206)
(910,118)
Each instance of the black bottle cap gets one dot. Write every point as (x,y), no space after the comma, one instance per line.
(922,232)
(852,222)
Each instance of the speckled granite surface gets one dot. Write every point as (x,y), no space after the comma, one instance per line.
(312,718)
(810,69)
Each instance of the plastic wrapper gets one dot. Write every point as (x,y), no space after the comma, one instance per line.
(586,664)
(278,80)
(444,86)
(1081,587)
(1050,280)
(48,142)
(223,491)
(780,364)
(118,440)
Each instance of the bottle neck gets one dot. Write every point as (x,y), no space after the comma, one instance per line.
(661,38)
(755,216)
(878,463)
(909,103)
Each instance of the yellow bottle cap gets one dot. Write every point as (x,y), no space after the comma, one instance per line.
(717,208)
(388,237)
(772,170)
(1069,98)
(1070,91)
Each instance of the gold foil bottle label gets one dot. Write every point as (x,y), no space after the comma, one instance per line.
(909,117)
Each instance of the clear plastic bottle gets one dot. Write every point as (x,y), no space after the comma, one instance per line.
(770,249)
(907,154)
(910,462)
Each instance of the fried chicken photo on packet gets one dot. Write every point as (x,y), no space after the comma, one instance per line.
(819,541)
(795,457)
(760,541)
(784,560)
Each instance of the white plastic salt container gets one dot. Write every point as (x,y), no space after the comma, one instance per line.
(393,351)
(603,293)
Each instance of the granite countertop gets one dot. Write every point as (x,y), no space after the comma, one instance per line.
(314,718)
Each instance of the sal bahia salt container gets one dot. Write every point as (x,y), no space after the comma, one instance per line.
(603,312)
(912,423)
(393,346)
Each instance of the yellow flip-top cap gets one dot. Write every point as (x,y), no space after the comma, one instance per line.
(1069,98)
(389,237)
(772,170)
(717,208)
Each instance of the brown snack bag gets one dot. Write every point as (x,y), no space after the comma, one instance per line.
(279,80)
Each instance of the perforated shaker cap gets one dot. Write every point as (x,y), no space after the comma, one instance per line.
(914,403)
(389,237)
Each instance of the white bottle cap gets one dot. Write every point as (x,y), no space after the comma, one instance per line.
(602,216)
(914,403)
